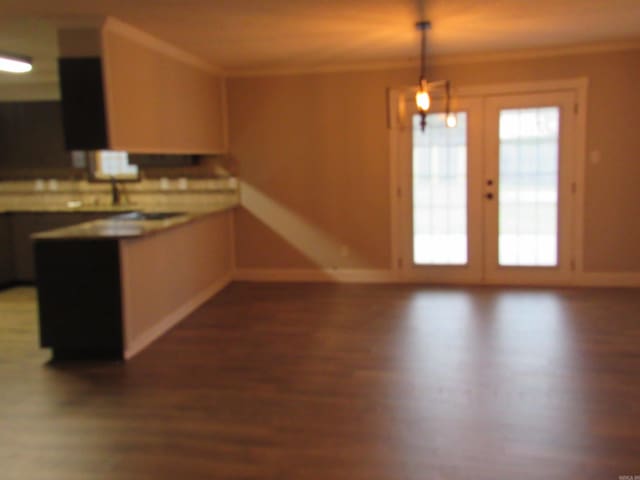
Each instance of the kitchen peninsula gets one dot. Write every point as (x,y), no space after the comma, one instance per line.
(109,287)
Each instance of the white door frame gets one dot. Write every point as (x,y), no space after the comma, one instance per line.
(400,122)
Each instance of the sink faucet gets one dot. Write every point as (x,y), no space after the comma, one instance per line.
(115,192)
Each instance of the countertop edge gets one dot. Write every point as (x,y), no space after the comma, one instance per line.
(110,229)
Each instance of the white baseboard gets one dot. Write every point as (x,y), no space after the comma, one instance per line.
(607,279)
(315,275)
(391,276)
(175,317)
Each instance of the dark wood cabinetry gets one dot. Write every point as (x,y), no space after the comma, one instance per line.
(23,225)
(84,114)
(31,136)
(6,251)
(79,297)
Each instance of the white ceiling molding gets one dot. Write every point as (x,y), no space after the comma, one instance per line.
(444,60)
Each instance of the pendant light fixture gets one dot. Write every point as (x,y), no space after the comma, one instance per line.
(423,98)
(423,94)
(15,63)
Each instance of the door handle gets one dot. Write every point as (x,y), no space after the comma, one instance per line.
(489,196)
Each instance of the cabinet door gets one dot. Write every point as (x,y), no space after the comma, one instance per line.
(6,252)
(83,108)
(23,225)
(9,134)
(31,136)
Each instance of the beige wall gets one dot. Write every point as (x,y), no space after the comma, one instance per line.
(316,146)
(158,101)
(27,92)
(314,150)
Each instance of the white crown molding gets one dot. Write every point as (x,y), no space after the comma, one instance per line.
(326,68)
(119,27)
(532,53)
(457,59)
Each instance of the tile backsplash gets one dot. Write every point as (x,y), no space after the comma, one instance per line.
(151,193)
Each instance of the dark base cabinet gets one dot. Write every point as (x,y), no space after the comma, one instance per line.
(16,228)
(75,277)
(6,252)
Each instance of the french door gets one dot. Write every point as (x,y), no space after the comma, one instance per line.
(490,200)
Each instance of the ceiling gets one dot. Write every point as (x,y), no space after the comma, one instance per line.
(250,35)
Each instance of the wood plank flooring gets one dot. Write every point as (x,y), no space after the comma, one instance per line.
(337,382)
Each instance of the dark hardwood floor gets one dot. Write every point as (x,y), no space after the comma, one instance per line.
(334,382)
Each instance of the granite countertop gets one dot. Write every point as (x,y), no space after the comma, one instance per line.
(62,208)
(122,225)
(115,209)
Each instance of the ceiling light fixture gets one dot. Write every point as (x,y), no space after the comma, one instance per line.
(423,94)
(15,63)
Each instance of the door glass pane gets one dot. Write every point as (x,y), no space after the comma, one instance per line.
(440,191)
(528,187)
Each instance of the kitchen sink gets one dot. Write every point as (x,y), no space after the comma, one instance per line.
(147,216)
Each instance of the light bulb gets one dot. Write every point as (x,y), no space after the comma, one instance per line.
(451,120)
(14,64)
(423,100)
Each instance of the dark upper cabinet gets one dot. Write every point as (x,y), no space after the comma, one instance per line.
(31,136)
(10,119)
(83,104)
